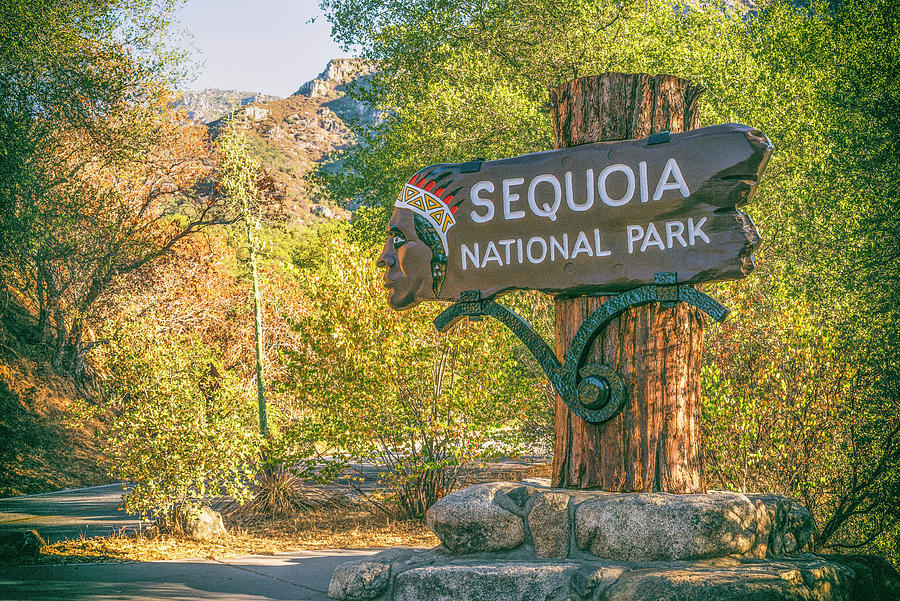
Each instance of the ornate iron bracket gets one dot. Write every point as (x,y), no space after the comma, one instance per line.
(594,392)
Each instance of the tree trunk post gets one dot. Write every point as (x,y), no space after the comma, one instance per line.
(654,444)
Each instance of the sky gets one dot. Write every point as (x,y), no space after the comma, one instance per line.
(266,46)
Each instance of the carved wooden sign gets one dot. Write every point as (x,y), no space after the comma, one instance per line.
(602,217)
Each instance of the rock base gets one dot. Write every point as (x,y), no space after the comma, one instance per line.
(524,541)
(437,575)
(562,523)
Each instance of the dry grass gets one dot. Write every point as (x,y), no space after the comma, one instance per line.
(345,528)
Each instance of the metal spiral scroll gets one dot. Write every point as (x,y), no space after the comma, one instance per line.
(595,392)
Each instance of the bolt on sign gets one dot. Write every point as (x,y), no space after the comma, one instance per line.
(596,218)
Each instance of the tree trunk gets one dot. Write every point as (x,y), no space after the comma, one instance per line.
(654,444)
(257,325)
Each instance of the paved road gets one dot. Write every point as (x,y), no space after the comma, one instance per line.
(67,514)
(302,576)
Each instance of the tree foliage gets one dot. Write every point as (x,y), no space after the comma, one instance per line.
(387,388)
(99,177)
(65,68)
(180,425)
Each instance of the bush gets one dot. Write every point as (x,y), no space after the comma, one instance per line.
(788,408)
(385,387)
(180,428)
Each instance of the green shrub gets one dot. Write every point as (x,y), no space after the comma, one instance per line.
(788,408)
(385,387)
(180,428)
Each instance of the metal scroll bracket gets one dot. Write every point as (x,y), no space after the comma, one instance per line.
(594,392)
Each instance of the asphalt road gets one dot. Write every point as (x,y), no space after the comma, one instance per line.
(68,514)
(302,576)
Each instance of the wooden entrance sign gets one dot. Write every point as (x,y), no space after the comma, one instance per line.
(628,203)
(604,217)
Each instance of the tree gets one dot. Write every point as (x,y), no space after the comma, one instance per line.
(64,69)
(100,178)
(177,420)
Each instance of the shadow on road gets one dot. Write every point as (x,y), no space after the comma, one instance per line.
(300,576)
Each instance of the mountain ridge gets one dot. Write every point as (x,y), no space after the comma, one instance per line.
(212,103)
(291,137)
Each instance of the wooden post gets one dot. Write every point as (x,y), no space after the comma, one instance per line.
(655,443)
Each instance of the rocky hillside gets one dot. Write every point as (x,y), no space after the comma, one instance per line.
(291,136)
(211,104)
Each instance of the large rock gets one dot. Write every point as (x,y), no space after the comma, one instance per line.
(20,544)
(338,72)
(499,582)
(359,581)
(479,518)
(202,524)
(548,521)
(257,113)
(440,577)
(792,524)
(807,579)
(778,508)
(798,529)
(668,527)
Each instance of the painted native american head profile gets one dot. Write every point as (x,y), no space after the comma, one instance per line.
(415,253)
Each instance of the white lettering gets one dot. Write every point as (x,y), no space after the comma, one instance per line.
(546,210)
(598,252)
(474,257)
(694,231)
(506,244)
(652,239)
(509,197)
(491,254)
(671,169)
(547,248)
(642,170)
(531,242)
(635,233)
(674,231)
(487,203)
(582,246)
(570,197)
(601,183)
(562,248)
